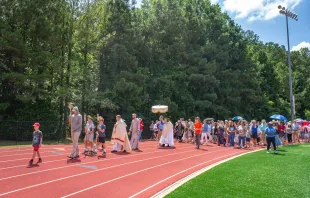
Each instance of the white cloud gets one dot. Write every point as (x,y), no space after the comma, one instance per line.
(301,45)
(257,9)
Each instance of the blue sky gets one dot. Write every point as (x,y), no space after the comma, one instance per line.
(263,18)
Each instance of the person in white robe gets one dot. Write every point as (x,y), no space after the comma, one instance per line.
(120,138)
(166,138)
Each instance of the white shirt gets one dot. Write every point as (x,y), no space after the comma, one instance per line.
(89,127)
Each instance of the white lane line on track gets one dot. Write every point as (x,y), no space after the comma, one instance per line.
(94,186)
(29,147)
(54,155)
(44,147)
(41,151)
(61,167)
(161,181)
(45,162)
(31,153)
(76,175)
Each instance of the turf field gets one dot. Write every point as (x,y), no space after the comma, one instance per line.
(255,175)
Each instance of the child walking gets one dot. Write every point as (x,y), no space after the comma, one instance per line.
(36,142)
(89,135)
(101,129)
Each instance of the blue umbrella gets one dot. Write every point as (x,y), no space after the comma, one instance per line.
(278,117)
(236,118)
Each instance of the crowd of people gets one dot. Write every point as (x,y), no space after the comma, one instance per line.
(237,134)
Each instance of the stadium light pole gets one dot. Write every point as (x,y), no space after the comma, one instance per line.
(294,16)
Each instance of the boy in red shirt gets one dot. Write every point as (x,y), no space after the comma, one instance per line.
(36,142)
(198,127)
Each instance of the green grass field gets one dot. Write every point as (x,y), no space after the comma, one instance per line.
(255,175)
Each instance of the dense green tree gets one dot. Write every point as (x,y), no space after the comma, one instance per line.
(111,57)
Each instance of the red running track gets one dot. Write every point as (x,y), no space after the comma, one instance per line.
(135,174)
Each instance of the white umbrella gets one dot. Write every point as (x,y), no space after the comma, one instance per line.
(159,109)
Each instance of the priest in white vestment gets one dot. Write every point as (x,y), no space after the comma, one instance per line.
(166,138)
(120,138)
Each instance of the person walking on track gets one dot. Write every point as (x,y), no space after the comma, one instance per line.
(76,129)
(119,138)
(160,126)
(198,127)
(135,132)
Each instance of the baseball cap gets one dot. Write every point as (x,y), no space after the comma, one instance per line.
(36,124)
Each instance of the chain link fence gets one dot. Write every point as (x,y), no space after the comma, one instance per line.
(21,131)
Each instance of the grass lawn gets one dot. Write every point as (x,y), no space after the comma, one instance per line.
(255,175)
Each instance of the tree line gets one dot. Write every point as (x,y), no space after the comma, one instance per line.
(112,57)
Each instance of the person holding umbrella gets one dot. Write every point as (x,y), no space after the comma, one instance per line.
(271,132)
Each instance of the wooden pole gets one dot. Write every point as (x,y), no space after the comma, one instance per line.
(70,106)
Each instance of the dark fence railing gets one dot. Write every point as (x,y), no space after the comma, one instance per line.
(19,131)
(22,130)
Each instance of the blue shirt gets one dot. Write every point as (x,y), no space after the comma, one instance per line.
(296,127)
(232,129)
(37,135)
(160,125)
(102,127)
(271,132)
(254,129)
(205,128)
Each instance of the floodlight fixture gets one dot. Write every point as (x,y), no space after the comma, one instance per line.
(288,13)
